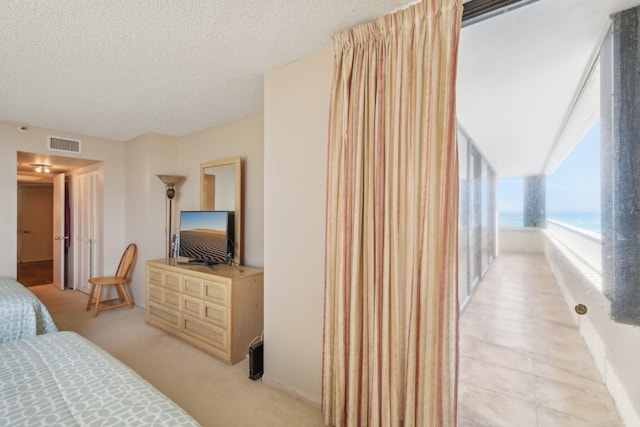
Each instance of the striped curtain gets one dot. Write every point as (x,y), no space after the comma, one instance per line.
(390,316)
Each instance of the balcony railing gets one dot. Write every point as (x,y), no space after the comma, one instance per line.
(584,244)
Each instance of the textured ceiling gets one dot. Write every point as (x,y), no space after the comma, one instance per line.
(121,68)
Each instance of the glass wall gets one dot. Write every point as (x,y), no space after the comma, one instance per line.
(475,209)
(485,232)
(477,218)
(463,219)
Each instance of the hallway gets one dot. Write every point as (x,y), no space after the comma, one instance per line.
(35,272)
(523,361)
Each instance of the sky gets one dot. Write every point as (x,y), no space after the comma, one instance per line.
(203,219)
(573,187)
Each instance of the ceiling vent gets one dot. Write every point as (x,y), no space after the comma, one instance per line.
(64,144)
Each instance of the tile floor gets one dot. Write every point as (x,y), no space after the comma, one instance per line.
(523,361)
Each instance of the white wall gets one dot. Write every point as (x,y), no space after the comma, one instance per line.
(615,347)
(111,153)
(296,120)
(242,137)
(521,239)
(585,244)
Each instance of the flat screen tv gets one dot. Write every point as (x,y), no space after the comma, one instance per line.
(206,237)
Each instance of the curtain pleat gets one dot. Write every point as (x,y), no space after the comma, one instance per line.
(390,317)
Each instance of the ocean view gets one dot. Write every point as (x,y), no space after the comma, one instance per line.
(586,220)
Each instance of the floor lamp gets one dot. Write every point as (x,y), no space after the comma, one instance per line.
(170,181)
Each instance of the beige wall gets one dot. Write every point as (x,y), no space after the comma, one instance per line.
(296,109)
(146,202)
(111,153)
(242,137)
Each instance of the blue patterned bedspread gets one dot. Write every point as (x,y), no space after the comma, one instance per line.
(62,379)
(22,315)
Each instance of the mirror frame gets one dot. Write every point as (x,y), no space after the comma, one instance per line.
(238,217)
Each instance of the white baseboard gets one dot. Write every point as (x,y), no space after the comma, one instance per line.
(291,391)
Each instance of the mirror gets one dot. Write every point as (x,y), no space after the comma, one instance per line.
(221,190)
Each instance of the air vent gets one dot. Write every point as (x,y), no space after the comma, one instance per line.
(64,144)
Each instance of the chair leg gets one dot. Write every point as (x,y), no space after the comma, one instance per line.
(98,298)
(93,288)
(126,294)
(119,291)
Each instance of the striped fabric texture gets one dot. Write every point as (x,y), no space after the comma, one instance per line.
(391,308)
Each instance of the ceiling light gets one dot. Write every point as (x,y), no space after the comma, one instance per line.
(42,168)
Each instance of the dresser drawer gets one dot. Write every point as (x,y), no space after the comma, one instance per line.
(215,314)
(173,281)
(172,300)
(164,314)
(216,292)
(193,286)
(192,306)
(155,277)
(205,332)
(156,294)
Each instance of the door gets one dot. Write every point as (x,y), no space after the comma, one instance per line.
(34,223)
(87,226)
(59,236)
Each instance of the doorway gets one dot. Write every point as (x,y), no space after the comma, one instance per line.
(35,225)
(45,217)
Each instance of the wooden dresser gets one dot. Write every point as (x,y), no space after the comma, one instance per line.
(217,308)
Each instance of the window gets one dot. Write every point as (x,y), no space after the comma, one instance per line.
(573,191)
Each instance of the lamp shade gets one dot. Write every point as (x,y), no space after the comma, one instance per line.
(171,180)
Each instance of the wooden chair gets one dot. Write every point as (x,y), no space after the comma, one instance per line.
(126,262)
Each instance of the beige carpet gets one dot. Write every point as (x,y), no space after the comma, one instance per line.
(213,392)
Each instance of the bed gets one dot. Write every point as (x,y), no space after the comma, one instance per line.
(63,379)
(22,315)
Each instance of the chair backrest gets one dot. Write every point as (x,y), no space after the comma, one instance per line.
(126,262)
